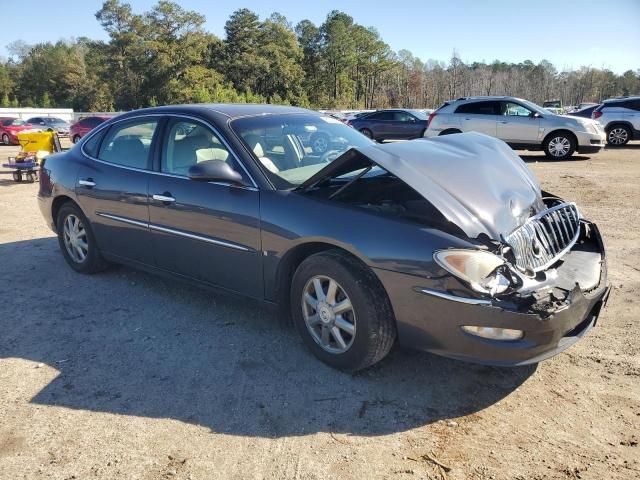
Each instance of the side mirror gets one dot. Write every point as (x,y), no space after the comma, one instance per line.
(536,115)
(215,171)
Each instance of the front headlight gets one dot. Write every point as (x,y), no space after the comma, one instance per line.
(479,268)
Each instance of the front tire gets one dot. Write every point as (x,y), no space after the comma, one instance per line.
(5,139)
(559,146)
(77,241)
(618,135)
(75,139)
(341,311)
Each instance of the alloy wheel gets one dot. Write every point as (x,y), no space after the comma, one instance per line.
(5,139)
(328,314)
(559,146)
(75,239)
(618,136)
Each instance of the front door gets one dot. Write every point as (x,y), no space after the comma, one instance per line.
(112,188)
(204,230)
(517,124)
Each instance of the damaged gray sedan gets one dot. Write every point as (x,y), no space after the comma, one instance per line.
(446,245)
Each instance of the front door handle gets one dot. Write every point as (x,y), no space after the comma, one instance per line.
(503,121)
(89,183)
(164,198)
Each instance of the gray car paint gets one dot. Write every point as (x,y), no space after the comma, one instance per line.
(476,181)
(288,226)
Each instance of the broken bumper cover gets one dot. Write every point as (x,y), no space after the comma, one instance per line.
(431,319)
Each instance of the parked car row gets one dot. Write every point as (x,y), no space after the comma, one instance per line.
(11,126)
(520,123)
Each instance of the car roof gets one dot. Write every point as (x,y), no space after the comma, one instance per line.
(230,110)
(621,99)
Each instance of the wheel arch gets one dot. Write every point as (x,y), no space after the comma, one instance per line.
(619,123)
(57,204)
(449,131)
(292,259)
(558,131)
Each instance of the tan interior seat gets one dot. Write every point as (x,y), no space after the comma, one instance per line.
(254,143)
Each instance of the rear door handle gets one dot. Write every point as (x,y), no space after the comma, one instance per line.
(503,121)
(164,198)
(89,183)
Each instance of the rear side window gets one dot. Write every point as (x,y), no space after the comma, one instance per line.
(381,116)
(633,104)
(92,145)
(129,143)
(480,108)
(403,117)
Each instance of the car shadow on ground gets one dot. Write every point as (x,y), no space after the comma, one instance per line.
(531,158)
(126,342)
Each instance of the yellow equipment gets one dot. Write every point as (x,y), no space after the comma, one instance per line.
(38,144)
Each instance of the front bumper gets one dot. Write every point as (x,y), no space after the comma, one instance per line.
(433,322)
(590,142)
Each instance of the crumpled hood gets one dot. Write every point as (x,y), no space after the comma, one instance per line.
(476,181)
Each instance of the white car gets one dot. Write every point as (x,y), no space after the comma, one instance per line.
(620,118)
(520,123)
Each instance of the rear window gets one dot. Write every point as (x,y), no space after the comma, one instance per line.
(380,116)
(480,108)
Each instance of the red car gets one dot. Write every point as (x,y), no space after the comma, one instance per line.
(9,128)
(84,126)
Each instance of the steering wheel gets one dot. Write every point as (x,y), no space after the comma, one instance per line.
(330,156)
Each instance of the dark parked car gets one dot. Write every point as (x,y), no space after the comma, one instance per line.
(584,112)
(51,124)
(446,244)
(391,124)
(84,126)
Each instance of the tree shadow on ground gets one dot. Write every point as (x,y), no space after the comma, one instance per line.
(130,343)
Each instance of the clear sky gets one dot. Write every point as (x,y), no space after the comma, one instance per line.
(569,33)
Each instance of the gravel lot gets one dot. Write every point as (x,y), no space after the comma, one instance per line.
(124,375)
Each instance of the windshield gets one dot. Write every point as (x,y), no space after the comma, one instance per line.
(533,106)
(291,148)
(54,120)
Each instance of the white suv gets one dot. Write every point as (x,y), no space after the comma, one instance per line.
(620,118)
(521,124)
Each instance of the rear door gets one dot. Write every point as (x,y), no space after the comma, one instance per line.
(407,125)
(517,124)
(381,124)
(112,187)
(204,230)
(479,117)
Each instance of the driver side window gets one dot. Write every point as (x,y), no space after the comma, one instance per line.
(189,142)
(516,110)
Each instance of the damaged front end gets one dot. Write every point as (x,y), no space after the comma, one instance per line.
(533,278)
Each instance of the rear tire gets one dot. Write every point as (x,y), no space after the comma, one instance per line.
(75,139)
(77,241)
(367,133)
(618,135)
(366,326)
(559,145)
(5,139)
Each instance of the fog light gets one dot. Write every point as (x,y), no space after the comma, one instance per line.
(494,333)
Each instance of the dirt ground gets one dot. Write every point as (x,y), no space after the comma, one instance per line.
(124,375)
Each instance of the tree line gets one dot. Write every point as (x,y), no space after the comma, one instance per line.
(165,56)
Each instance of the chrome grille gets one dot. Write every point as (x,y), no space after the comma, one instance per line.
(545,237)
